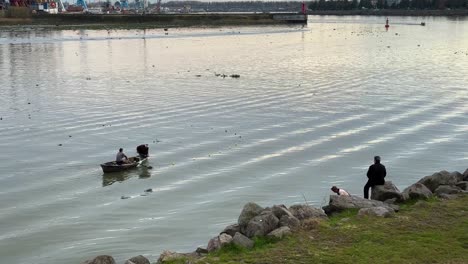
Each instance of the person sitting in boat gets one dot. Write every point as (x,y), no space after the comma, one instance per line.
(339,191)
(121,158)
(143,151)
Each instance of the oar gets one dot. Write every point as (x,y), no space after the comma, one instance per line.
(140,163)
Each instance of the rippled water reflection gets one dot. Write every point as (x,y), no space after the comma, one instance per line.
(312,107)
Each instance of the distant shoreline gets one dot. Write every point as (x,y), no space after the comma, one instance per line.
(118,21)
(390,12)
(84,21)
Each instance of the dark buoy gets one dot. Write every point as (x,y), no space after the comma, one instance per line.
(386,24)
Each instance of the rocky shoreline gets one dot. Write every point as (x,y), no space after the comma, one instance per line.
(278,221)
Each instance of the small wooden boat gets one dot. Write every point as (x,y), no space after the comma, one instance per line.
(112,166)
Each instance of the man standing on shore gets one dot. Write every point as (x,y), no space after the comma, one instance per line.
(376,176)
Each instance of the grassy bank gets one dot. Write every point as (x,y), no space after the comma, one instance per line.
(435,231)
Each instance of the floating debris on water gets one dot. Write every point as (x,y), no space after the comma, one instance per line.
(235,76)
(59,145)
(125,197)
(149,190)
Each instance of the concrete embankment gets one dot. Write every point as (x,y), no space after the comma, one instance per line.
(156,20)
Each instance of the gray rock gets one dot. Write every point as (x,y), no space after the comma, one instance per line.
(391,201)
(395,207)
(261,225)
(376,211)
(129,262)
(289,221)
(417,191)
(448,196)
(280,232)
(139,260)
(213,244)
(218,242)
(249,211)
(303,211)
(463,185)
(103,259)
(457,176)
(385,192)
(441,178)
(339,203)
(280,210)
(201,250)
(231,230)
(168,256)
(224,239)
(447,189)
(465,175)
(242,241)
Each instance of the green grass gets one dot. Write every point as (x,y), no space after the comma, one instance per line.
(433,231)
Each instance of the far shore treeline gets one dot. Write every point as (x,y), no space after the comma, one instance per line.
(295,6)
(387,4)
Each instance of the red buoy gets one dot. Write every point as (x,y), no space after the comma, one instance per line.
(386,24)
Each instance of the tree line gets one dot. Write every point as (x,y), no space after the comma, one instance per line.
(384,4)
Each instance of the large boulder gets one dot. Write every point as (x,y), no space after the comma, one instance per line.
(103,259)
(170,256)
(448,196)
(385,192)
(231,229)
(167,256)
(218,242)
(339,203)
(465,175)
(249,211)
(463,185)
(447,189)
(139,260)
(376,211)
(280,232)
(417,191)
(289,221)
(261,224)
(441,178)
(242,241)
(303,211)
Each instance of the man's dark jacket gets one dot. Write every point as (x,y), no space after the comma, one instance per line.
(376,174)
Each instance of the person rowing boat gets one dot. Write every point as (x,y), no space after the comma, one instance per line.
(121,158)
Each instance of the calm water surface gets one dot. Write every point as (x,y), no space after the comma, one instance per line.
(312,107)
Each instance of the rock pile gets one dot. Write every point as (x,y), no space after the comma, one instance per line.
(279,221)
(255,221)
